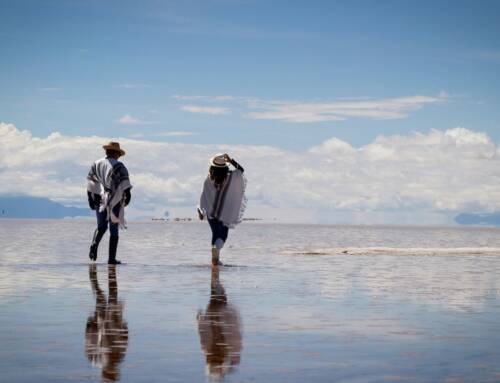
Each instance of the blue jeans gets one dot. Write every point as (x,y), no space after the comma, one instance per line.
(219,230)
(102,222)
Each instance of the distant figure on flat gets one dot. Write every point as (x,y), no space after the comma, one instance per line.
(223,200)
(108,191)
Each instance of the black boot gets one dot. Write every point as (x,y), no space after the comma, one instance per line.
(113,245)
(95,244)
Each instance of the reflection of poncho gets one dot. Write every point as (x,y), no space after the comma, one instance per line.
(106,333)
(109,178)
(226,203)
(220,332)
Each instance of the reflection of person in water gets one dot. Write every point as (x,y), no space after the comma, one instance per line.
(220,331)
(106,334)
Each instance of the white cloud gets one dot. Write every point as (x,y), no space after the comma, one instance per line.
(224,98)
(205,109)
(312,111)
(174,134)
(187,98)
(129,120)
(163,134)
(415,178)
(318,111)
(204,98)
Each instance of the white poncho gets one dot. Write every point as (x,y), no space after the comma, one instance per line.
(109,178)
(226,203)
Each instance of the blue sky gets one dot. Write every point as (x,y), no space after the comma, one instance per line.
(340,111)
(81,67)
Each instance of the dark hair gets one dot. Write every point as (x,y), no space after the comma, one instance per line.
(218,174)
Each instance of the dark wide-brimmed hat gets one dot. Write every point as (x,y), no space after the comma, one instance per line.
(114,146)
(218,161)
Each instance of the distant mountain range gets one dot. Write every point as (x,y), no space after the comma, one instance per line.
(491,219)
(35,207)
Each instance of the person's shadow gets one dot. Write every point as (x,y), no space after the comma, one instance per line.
(106,333)
(220,331)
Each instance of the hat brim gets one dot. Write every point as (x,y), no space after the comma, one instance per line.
(214,164)
(107,147)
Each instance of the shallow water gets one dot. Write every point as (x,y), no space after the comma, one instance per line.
(296,303)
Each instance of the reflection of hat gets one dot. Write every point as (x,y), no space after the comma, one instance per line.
(218,161)
(115,146)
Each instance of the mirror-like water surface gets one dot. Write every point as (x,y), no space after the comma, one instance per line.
(295,303)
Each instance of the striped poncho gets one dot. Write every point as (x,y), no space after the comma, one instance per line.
(227,202)
(109,178)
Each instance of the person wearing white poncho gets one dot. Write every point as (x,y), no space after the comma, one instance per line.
(108,191)
(223,200)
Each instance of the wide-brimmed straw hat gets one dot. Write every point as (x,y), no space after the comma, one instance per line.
(218,161)
(115,146)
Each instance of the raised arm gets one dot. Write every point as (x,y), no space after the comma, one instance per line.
(233,162)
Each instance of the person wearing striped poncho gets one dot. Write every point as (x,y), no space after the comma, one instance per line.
(108,191)
(223,200)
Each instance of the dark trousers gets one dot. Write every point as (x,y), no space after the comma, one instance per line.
(219,230)
(102,223)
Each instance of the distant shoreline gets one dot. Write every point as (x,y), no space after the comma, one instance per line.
(91,219)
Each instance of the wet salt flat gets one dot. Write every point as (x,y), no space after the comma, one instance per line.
(296,303)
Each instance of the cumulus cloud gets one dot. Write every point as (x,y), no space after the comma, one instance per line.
(420,175)
(215,110)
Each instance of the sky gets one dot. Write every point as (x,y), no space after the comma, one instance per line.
(371,112)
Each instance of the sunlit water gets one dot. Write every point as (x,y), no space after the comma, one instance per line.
(295,304)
